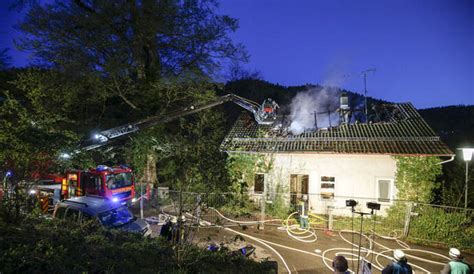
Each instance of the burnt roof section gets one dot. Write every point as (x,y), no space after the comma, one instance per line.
(410,135)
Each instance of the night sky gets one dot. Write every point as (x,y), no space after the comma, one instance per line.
(423,50)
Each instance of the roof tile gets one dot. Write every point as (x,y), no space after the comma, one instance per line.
(408,136)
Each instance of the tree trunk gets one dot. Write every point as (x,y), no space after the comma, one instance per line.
(150,170)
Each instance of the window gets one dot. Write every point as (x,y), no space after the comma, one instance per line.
(92,184)
(72,214)
(327,187)
(60,212)
(259,183)
(384,190)
(85,217)
(116,217)
(119,180)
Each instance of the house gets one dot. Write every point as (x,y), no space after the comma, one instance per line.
(349,161)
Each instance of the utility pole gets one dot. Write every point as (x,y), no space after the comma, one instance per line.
(365,73)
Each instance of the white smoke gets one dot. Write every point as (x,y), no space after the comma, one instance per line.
(320,100)
(302,108)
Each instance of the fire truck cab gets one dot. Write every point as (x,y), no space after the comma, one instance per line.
(115,183)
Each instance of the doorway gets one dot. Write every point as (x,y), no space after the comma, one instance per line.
(72,185)
(91,184)
(298,187)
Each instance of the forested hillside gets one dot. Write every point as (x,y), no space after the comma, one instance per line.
(454,124)
(259,90)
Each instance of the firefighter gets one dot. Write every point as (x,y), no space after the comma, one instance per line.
(270,106)
(166,229)
(399,266)
(268,109)
(304,206)
(340,265)
(457,264)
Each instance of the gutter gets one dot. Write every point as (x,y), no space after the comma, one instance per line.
(447,161)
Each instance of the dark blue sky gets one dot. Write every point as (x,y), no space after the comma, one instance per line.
(423,50)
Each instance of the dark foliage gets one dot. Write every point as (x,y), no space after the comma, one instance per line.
(5,59)
(37,245)
(127,41)
(454,124)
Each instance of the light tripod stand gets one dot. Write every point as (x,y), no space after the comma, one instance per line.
(373,207)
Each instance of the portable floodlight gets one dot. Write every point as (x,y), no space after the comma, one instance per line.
(351,203)
(373,206)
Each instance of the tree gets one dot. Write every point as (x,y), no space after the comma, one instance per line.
(237,72)
(4,59)
(127,44)
(34,125)
(131,55)
(186,149)
(453,184)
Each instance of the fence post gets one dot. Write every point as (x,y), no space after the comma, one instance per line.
(330,219)
(406,227)
(141,200)
(262,208)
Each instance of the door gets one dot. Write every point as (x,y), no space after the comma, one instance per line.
(299,185)
(91,183)
(72,184)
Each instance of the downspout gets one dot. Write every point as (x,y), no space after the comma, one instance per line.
(447,161)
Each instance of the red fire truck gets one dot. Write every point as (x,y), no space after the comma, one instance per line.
(115,183)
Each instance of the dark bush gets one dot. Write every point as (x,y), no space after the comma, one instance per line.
(438,225)
(38,245)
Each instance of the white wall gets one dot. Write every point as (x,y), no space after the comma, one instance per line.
(355,176)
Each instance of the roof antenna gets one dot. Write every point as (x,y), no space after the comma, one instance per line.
(365,73)
(315,119)
(329,118)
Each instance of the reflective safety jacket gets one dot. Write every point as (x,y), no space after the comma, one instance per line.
(398,268)
(457,267)
(303,208)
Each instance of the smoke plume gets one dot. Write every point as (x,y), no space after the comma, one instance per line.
(315,103)
(316,107)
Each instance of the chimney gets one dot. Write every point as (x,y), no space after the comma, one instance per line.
(344,109)
(344,100)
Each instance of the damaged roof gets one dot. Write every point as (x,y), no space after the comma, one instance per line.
(410,135)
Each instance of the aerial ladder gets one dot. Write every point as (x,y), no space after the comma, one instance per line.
(81,182)
(264,114)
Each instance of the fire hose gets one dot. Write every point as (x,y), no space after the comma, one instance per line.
(303,234)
